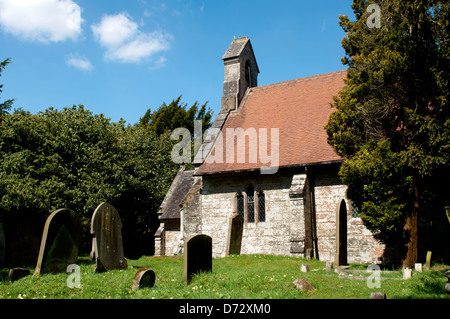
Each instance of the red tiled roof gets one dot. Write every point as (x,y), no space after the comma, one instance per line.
(298,108)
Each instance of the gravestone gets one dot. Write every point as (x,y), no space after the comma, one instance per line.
(303,284)
(428,261)
(144,278)
(304,268)
(447,212)
(197,256)
(235,231)
(377,295)
(329,266)
(106,228)
(59,244)
(20,237)
(418,267)
(407,273)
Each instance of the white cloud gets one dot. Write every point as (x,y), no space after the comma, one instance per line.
(113,30)
(41,20)
(79,62)
(124,42)
(160,63)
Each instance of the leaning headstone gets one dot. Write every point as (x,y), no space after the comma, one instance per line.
(106,227)
(329,266)
(428,261)
(418,267)
(144,278)
(197,256)
(407,273)
(377,295)
(303,284)
(17,273)
(59,243)
(235,235)
(20,237)
(304,268)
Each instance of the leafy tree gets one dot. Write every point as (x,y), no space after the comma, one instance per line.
(74,159)
(5,106)
(175,115)
(392,117)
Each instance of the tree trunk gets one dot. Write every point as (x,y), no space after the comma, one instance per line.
(411,233)
(410,256)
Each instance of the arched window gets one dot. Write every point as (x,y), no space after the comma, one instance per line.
(261,207)
(250,204)
(248,73)
(240,204)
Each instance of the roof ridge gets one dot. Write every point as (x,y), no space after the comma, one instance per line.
(306,78)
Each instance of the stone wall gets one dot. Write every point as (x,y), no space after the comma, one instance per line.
(218,205)
(168,238)
(361,246)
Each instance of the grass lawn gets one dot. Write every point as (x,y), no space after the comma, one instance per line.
(234,277)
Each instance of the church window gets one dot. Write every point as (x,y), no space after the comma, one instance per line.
(248,73)
(250,204)
(240,204)
(261,206)
(355,210)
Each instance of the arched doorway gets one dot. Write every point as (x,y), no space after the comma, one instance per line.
(341,234)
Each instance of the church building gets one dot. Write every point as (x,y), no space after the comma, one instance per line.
(266,158)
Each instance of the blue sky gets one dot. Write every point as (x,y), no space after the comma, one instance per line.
(121,57)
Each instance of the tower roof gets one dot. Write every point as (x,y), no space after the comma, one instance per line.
(236,47)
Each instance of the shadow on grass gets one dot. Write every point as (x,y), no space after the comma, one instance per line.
(430,284)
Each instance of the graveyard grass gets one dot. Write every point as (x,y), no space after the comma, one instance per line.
(244,276)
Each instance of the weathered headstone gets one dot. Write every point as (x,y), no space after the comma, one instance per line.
(197,256)
(106,227)
(304,268)
(428,261)
(303,284)
(235,231)
(407,273)
(329,266)
(59,244)
(377,295)
(418,267)
(17,273)
(144,278)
